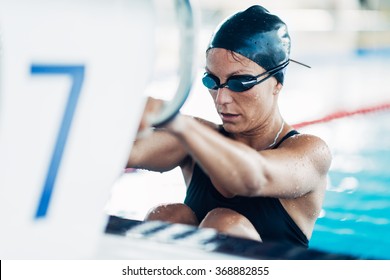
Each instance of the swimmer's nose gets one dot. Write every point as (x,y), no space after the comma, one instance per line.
(223,96)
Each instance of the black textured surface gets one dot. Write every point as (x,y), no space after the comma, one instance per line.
(220,243)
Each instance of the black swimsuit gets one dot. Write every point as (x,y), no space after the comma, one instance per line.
(267,214)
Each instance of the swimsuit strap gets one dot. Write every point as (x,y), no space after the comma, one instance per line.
(288,135)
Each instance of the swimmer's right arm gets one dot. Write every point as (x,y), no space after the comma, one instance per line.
(154,149)
(159,151)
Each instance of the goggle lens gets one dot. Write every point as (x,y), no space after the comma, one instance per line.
(240,83)
(234,83)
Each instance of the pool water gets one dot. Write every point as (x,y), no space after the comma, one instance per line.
(356,211)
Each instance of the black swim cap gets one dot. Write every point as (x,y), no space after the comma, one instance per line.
(256,34)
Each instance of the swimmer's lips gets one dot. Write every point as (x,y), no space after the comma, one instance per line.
(228,117)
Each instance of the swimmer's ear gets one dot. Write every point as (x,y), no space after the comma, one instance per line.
(278,88)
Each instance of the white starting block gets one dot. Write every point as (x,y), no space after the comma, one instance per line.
(72,81)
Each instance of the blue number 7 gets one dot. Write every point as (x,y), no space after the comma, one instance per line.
(76,72)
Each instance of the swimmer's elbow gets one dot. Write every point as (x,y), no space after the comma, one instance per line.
(256,185)
(255,179)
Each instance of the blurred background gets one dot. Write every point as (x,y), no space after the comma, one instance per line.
(347,44)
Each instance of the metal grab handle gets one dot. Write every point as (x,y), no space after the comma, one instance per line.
(186,18)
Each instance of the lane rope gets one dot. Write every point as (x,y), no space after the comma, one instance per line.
(343,114)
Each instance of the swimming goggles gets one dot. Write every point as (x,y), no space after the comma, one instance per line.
(240,83)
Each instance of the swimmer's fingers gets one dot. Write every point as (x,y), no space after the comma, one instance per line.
(153,107)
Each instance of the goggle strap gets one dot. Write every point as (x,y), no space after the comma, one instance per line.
(300,63)
(273,71)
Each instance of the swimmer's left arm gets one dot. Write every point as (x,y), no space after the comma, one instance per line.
(298,166)
(229,163)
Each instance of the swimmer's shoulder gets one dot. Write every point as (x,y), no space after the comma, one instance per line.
(313,146)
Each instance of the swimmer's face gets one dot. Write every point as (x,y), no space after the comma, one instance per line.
(240,112)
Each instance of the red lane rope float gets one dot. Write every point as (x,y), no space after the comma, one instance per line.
(343,114)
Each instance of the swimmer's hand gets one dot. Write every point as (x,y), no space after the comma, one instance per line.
(152,107)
